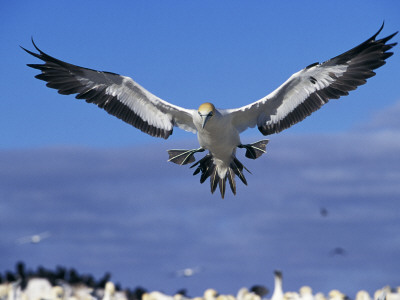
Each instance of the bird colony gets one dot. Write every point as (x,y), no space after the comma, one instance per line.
(69,285)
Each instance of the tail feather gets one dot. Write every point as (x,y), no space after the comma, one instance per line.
(208,168)
(232,181)
(237,168)
(222,185)
(214,180)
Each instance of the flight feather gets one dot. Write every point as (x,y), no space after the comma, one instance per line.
(309,89)
(119,95)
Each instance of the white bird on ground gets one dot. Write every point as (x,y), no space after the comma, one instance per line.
(387,293)
(306,293)
(218,129)
(4,288)
(155,295)
(57,293)
(109,291)
(245,294)
(278,289)
(291,296)
(210,294)
(363,295)
(336,295)
(38,288)
(320,296)
(11,291)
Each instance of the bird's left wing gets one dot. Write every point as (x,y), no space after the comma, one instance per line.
(307,90)
(118,95)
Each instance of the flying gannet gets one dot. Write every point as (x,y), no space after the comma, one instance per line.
(34,239)
(218,129)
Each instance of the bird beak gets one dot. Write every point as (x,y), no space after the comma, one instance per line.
(205,119)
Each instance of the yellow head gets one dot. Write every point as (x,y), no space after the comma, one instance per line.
(206,111)
(206,108)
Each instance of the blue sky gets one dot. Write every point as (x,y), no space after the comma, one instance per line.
(67,165)
(186,52)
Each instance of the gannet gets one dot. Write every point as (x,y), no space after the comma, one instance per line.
(187,272)
(259,290)
(109,291)
(34,239)
(337,295)
(305,293)
(363,295)
(218,130)
(320,296)
(38,288)
(210,294)
(57,293)
(278,287)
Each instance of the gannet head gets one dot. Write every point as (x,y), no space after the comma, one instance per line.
(305,290)
(206,111)
(109,288)
(210,294)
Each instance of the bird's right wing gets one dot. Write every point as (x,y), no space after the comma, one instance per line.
(118,95)
(307,90)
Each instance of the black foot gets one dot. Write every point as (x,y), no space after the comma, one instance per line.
(183,157)
(208,169)
(256,149)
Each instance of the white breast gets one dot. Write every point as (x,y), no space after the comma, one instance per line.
(219,136)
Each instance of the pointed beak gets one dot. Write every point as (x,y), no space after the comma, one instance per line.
(205,118)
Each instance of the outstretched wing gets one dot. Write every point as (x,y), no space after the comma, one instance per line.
(118,95)
(307,90)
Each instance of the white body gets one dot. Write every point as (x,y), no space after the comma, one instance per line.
(220,137)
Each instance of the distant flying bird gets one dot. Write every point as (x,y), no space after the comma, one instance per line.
(187,272)
(34,239)
(323,211)
(338,251)
(218,129)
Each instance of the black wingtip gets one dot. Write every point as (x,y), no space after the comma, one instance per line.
(380,29)
(33,53)
(36,47)
(386,38)
(24,48)
(42,55)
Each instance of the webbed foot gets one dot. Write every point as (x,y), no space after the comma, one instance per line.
(256,149)
(183,157)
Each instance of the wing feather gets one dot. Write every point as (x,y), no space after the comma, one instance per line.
(118,95)
(309,89)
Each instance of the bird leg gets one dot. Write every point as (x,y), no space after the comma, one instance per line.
(183,157)
(256,149)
